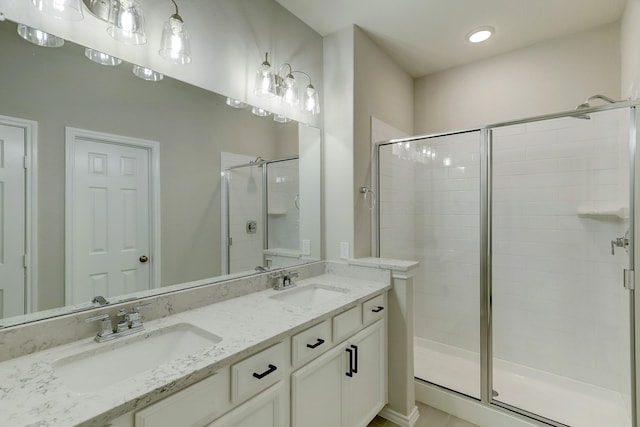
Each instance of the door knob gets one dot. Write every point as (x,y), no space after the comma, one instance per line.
(143,259)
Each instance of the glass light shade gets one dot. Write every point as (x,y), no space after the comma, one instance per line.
(311,101)
(174,46)
(290,90)
(147,74)
(70,10)
(260,112)
(280,118)
(101,58)
(127,23)
(265,81)
(234,103)
(39,37)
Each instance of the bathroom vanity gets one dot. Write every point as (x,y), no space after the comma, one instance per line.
(280,357)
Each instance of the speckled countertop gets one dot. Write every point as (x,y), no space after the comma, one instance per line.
(32,394)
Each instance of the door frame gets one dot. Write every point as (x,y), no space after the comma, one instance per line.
(153,147)
(31,208)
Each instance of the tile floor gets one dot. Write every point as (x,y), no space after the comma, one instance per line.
(429,417)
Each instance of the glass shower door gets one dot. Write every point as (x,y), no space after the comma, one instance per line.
(430,212)
(560,313)
(245,221)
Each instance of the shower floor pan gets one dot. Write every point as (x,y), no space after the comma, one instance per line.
(561,399)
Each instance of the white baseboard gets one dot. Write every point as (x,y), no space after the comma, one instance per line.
(398,418)
(467,409)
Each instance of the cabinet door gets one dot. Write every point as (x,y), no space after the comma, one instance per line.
(316,391)
(268,409)
(366,388)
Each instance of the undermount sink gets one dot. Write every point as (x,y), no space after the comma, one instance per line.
(118,360)
(309,295)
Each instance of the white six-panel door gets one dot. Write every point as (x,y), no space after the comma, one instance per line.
(12,220)
(108,218)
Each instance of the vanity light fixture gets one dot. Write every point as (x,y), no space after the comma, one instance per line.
(265,79)
(174,45)
(235,103)
(126,21)
(480,34)
(283,84)
(101,58)
(260,112)
(147,74)
(39,37)
(69,10)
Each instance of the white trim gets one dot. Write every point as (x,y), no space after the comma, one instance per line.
(71,134)
(31,209)
(467,408)
(398,418)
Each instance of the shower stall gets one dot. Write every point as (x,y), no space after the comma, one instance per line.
(524,234)
(262,214)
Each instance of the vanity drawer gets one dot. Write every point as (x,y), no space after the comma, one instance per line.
(374,309)
(345,324)
(310,343)
(258,372)
(193,406)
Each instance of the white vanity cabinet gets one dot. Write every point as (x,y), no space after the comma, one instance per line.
(344,387)
(339,379)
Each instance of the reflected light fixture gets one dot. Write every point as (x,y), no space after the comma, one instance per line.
(127,22)
(480,34)
(39,37)
(283,84)
(281,118)
(260,112)
(147,74)
(69,10)
(101,58)
(235,103)
(265,79)
(174,45)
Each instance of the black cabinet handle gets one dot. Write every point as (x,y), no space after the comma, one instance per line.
(350,373)
(271,369)
(377,310)
(355,358)
(319,342)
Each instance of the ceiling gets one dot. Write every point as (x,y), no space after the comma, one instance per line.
(425,36)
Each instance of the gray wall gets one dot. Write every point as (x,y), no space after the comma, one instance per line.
(59,87)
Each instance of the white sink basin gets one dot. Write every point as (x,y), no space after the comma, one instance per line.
(309,295)
(121,359)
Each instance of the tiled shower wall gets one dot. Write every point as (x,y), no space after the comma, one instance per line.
(283,211)
(558,187)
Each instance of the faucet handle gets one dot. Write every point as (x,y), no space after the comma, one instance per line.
(106,327)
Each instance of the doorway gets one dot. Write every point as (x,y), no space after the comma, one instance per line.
(112,215)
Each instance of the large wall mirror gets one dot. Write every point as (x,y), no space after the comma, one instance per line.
(126,189)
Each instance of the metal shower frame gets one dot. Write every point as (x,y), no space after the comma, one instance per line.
(486,166)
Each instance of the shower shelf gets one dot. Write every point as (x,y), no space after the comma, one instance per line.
(622,213)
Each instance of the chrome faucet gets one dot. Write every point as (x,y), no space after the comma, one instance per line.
(283,280)
(129,323)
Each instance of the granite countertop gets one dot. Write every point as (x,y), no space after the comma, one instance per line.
(32,395)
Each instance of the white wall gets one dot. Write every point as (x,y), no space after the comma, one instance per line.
(629,43)
(338,155)
(228,43)
(544,78)
(385,91)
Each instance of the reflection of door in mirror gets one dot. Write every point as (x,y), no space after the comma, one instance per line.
(15,145)
(110,220)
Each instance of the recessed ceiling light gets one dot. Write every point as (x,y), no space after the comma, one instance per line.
(480,34)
